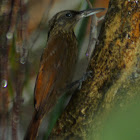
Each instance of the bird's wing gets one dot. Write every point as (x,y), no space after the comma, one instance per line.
(51,68)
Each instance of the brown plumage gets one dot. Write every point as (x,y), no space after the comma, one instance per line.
(57,65)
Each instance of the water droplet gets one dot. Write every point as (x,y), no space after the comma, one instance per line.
(15,119)
(128,36)
(4,83)
(129,12)
(84,115)
(133,42)
(136,1)
(9,35)
(22,60)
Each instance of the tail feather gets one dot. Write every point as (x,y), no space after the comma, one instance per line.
(33,127)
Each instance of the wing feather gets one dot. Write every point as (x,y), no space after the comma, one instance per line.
(50,69)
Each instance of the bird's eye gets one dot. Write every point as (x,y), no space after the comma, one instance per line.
(68,15)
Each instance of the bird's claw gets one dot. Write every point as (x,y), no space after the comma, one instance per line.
(84,78)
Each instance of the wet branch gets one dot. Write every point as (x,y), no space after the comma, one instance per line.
(5,16)
(19,11)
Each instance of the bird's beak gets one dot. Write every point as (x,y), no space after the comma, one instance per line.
(86,13)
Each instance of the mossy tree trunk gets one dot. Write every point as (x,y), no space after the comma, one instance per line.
(116,74)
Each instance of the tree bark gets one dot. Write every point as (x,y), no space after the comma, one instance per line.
(116,74)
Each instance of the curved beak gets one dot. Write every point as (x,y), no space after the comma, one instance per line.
(90,12)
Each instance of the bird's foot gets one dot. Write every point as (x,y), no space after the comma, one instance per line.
(80,81)
(84,78)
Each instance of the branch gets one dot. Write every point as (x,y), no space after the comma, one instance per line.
(4,52)
(20,55)
(93,37)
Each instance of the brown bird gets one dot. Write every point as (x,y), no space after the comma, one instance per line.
(57,64)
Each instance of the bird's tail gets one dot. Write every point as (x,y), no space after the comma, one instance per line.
(33,127)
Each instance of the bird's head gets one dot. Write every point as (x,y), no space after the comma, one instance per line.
(66,20)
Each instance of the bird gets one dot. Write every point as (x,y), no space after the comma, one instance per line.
(57,64)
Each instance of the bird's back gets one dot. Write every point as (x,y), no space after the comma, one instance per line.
(56,70)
